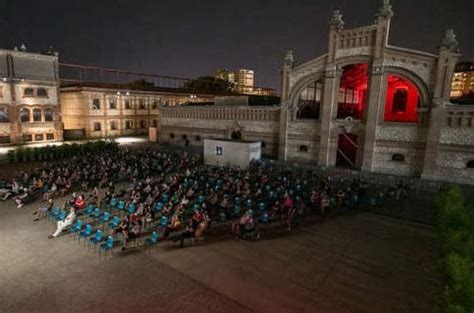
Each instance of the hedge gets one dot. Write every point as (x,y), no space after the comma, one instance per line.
(22,154)
(456,239)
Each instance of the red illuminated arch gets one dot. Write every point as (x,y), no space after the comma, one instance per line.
(402,100)
(352,91)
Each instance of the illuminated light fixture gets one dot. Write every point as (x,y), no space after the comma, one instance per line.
(22,79)
(4,79)
(128,93)
(118,93)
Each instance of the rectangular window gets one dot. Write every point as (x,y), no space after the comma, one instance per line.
(96,104)
(27,138)
(97,127)
(50,136)
(4,115)
(1,91)
(127,104)
(113,125)
(39,137)
(5,139)
(141,104)
(112,104)
(36,115)
(219,150)
(128,124)
(142,124)
(154,104)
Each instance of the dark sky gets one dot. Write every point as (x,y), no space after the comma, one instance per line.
(191,38)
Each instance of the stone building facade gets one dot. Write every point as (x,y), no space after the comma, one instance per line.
(29,98)
(107,110)
(365,104)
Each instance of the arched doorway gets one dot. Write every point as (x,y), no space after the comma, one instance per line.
(347,147)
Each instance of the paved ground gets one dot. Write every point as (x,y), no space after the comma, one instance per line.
(356,263)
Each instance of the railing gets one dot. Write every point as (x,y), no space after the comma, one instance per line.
(222,113)
(461,116)
(356,37)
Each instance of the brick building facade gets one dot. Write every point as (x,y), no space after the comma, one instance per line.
(29,98)
(365,104)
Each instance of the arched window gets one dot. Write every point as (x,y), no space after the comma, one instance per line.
(352,91)
(236,135)
(28,92)
(36,115)
(264,144)
(4,115)
(185,137)
(303,148)
(48,115)
(113,125)
(402,100)
(470,164)
(25,115)
(42,92)
(198,138)
(171,135)
(397,157)
(97,127)
(309,102)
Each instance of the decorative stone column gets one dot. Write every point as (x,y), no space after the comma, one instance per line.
(285,105)
(448,56)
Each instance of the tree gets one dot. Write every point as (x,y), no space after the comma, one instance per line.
(209,84)
(140,83)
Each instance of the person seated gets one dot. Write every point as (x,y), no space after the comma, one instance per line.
(43,211)
(79,204)
(174,225)
(21,199)
(188,233)
(64,223)
(51,192)
(245,225)
(132,234)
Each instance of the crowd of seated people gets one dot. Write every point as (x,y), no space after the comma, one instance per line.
(179,194)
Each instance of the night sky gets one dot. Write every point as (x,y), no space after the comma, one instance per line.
(192,38)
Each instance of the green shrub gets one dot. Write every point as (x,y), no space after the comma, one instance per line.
(456,238)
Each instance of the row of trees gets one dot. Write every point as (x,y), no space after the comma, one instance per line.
(22,154)
(456,237)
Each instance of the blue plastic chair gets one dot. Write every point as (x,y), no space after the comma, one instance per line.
(158,207)
(97,238)
(222,217)
(165,198)
(85,233)
(54,212)
(131,208)
(61,216)
(114,223)
(121,205)
(88,210)
(236,211)
(261,206)
(96,213)
(105,217)
(164,220)
(108,245)
(264,218)
(249,203)
(76,228)
(237,200)
(201,199)
(153,240)
(113,203)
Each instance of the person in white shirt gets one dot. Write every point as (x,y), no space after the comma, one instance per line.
(64,223)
